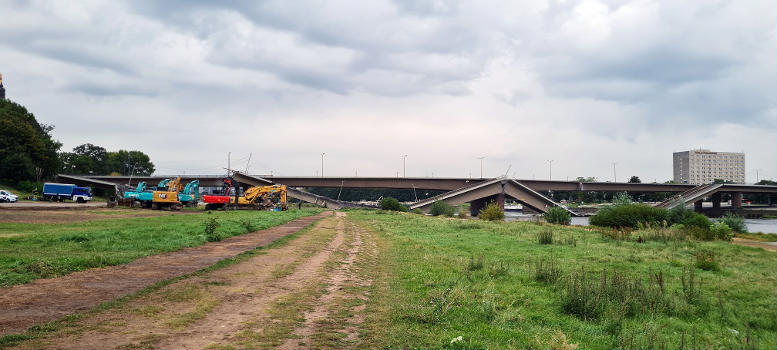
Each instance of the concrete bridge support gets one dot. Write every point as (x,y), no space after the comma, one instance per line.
(697,206)
(736,200)
(716,199)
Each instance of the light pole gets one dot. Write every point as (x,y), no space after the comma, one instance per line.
(757,175)
(322,164)
(404,159)
(550,169)
(614,174)
(481,166)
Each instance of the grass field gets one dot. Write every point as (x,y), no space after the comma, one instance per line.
(469,284)
(30,251)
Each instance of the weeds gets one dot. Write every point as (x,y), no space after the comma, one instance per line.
(545,236)
(249,226)
(499,270)
(211,225)
(547,271)
(475,265)
(705,260)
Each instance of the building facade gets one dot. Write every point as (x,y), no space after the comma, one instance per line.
(702,166)
(2,89)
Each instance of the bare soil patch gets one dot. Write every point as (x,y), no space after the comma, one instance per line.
(51,299)
(770,246)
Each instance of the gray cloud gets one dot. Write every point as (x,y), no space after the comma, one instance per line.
(521,82)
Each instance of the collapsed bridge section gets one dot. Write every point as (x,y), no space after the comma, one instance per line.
(494,190)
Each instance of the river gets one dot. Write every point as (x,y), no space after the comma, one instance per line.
(753,225)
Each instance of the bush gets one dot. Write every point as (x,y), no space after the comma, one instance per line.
(721,231)
(702,234)
(30,187)
(735,222)
(705,260)
(557,215)
(417,211)
(629,215)
(210,230)
(388,203)
(679,214)
(697,220)
(441,208)
(492,212)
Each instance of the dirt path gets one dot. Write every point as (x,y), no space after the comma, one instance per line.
(310,292)
(51,299)
(770,246)
(342,274)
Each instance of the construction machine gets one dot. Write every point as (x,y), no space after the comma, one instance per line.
(190,195)
(258,197)
(166,195)
(264,197)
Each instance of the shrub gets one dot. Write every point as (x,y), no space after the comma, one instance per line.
(417,211)
(210,230)
(679,214)
(30,187)
(545,236)
(735,222)
(721,231)
(492,212)
(441,208)
(388,203)
(697,220)
(705,260)
(557,215)
(629,215)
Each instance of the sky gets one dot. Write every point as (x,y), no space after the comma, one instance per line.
(582,83)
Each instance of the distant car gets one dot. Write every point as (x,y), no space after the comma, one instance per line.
(7,196)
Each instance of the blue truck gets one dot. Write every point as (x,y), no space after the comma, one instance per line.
(60,192)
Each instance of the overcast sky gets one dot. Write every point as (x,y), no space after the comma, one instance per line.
(584,84)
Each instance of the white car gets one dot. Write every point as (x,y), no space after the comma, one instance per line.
(7,196)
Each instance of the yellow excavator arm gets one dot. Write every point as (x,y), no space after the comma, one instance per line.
(262,196)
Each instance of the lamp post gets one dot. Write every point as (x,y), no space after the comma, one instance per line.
(404,159)
(322,164)
(481,166)
(614,174)
(550,169)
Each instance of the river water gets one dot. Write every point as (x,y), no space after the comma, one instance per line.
(753,225)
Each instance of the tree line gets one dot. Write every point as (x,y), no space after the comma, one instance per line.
(29,153)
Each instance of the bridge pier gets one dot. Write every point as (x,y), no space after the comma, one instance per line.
(736,200)
(716,199)
(697,206)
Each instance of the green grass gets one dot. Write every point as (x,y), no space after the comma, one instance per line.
(432,295)
(758,236)
(32,251)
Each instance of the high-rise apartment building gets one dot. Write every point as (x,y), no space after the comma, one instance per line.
(702,166)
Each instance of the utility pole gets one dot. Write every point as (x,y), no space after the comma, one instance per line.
(229,162)
(757,175)
(322,164)
(404,159)
(614,174)
(550,169)
(481,166)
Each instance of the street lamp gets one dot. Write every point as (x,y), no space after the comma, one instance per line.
(322,164)
(481,166)
(614,174)
(404,159)
(550,169)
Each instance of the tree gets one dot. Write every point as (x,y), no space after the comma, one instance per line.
(635,180)
(766,182)
(130,162)
(92,159)
(27,151)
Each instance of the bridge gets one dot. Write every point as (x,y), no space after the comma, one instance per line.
(477,191)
